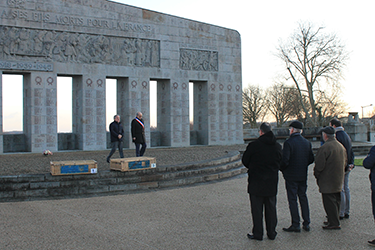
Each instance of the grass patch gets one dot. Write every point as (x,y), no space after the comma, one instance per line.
(358,162)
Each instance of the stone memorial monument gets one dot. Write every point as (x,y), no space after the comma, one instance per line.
(94,40)
(355,129)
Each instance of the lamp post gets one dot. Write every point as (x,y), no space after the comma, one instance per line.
(365,107)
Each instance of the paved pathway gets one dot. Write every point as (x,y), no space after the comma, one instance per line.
(205,216)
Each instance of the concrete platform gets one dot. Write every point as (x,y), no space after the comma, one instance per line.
(205,216)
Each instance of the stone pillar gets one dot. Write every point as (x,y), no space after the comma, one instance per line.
(213,113)
(123,109)
(224,116)
(139,93)
(77,110)
(372,136)
(201,112)
(164,112)
(1,114)
(235,115)
(89,112)
(353,117)
(355,129)
(180,113)
(40,112)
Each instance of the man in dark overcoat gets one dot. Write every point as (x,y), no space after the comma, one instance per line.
(263,158)
(138,134)
(297,156)
(369,163)
(116,130)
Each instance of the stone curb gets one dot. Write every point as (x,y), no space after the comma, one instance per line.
(46,186)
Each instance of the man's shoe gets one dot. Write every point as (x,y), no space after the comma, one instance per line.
(108,160)
(325,223)
(252,237)
(306,228)
(272,237)
(345,216)
(292,229)
(328,227)
(371,243)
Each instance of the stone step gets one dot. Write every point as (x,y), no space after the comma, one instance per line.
(46,186)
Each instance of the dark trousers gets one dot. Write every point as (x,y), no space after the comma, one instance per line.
(298,189)
(331,204)
(116,144)
(256,204)
(373,202)
(142,151)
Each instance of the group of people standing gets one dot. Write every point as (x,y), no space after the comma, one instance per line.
(138,136)
(265,157)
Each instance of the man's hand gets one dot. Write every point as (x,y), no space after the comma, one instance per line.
(351,166)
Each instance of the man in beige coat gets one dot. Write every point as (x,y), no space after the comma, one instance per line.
(330,162)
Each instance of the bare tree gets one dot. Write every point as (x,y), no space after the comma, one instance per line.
(281,99)
(312,57)
(253,105)
(329,104)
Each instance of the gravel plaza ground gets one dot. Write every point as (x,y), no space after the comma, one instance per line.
(206,216)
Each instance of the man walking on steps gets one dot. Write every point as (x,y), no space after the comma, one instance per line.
(138,134)
(116,130)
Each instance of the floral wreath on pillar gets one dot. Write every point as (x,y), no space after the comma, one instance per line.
(50,80)
(38,80)
(134,84)
(89,82)
(212,87)
(99,82)
(175,85)
(144,84)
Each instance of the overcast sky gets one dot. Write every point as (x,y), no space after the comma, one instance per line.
(263,23)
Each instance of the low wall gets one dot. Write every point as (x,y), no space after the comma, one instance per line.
(156,138)
(44,186)
(68,141)
(14,143)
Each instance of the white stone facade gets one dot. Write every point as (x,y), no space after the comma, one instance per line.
(96,39)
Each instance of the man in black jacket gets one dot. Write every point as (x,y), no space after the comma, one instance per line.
(345,140)
(116,130)
(297,156)
(262,158)
(369,163)
(138,134)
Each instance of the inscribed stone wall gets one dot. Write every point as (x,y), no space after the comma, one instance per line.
(94,40)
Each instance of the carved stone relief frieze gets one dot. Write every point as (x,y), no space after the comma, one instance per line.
(16,3)
(201,60)
(57,46)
